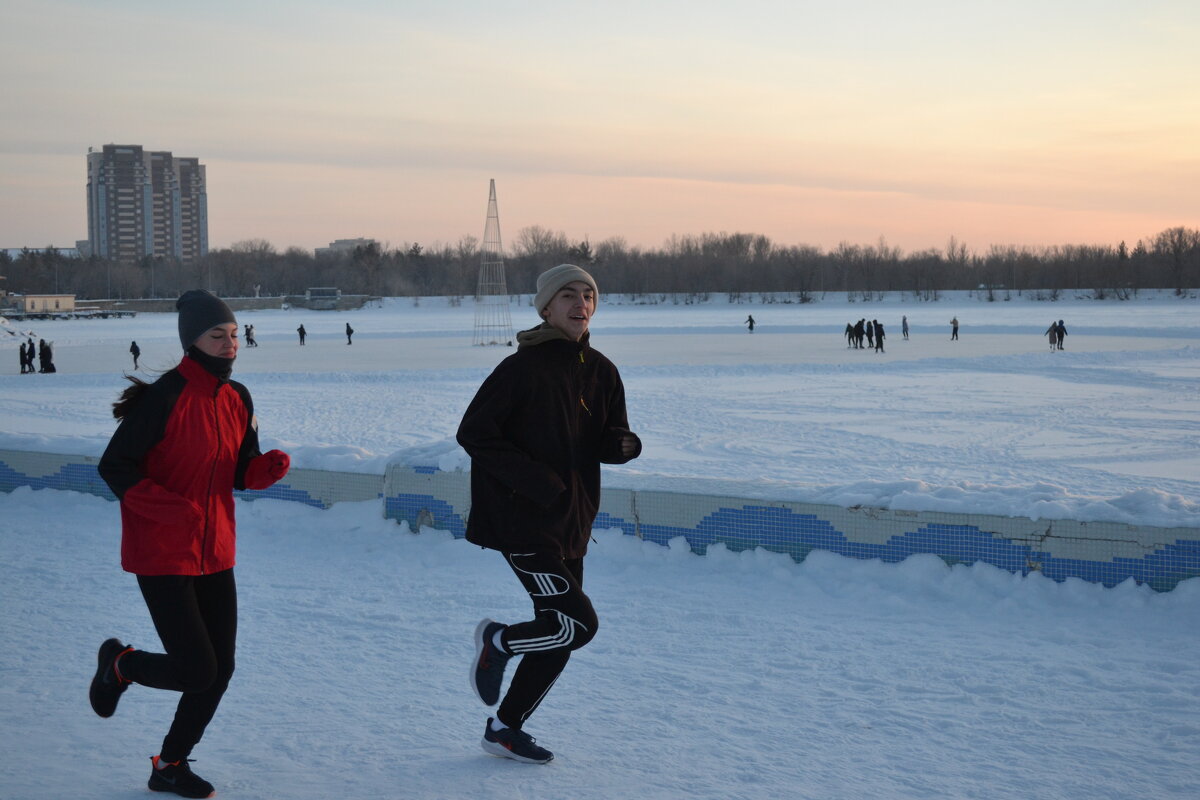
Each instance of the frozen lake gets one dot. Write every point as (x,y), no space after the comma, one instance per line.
(995,422)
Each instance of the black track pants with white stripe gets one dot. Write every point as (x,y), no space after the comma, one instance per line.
(564,621)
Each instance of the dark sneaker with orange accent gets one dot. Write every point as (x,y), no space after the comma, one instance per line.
(177,777)
(487,671)
(107,684)
(515,744)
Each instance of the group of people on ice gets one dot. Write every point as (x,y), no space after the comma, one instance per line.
(537,431)
(44,353)
(872,331)
(874,334)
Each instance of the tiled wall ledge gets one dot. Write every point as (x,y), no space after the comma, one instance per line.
(1103,552)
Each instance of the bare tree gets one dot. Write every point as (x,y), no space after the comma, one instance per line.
(540,243)
(1180,249)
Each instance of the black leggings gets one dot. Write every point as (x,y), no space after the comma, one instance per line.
(564,621)
(196,618)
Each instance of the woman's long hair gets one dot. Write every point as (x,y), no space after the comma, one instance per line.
(130,397)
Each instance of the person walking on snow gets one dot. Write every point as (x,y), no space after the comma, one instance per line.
(750,322)
(349,333)
(184,443)
(1061,334)
(537,431)
(954,329)
(134,351)
(46,356)
(302,333)
(904,327)
(1052,334)
(878,336)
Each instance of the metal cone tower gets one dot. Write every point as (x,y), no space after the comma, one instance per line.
(493,323)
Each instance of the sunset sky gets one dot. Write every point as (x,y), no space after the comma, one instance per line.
(1024,123)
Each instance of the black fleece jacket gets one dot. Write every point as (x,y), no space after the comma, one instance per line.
(537,431)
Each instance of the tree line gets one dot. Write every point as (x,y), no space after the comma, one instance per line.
(742,265)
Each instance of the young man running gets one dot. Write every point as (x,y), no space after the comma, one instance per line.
(537,431)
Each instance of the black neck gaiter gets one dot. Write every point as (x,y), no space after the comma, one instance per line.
(219,368)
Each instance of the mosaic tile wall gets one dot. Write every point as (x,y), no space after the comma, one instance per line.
(314,487)
(1102,552)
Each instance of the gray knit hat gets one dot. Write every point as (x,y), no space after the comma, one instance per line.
(200,310)
(553,279)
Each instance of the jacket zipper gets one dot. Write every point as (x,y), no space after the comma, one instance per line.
(212,476)
(582,401)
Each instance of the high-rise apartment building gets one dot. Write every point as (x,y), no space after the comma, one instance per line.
(143,202)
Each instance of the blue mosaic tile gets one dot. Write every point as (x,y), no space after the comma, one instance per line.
(408,507)
(282,491)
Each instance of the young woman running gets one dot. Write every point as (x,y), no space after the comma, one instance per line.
(184,443)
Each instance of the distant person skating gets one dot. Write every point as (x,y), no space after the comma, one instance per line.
(537,431)
(134,351)
(1061,334)
(1052,334)
(349,333)
(878,336)
(954,329)
(849,336)
(859,334)
(870,328)
(23,365)
(302,333)
(750,322)
(904,327)
(250,342)
(184,443)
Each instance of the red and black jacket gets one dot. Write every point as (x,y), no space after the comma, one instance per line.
(174,462)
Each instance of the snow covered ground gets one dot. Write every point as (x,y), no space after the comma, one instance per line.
(728,676)
(718,677)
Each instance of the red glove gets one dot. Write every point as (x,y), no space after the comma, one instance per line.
(264,470)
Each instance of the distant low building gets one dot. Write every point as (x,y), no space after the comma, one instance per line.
(44,303)
(322,298)
(338,246)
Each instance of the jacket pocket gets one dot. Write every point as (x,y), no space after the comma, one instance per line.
(170,546)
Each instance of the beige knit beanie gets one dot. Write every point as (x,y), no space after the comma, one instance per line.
(553,279)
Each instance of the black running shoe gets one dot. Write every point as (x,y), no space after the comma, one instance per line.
(177,777)
(515,744)
(107,685)
(487,671)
